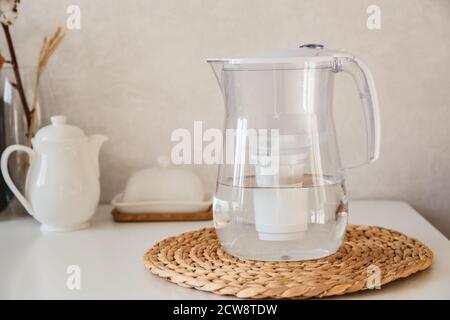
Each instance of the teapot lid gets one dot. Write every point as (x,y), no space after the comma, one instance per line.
(315,54)
(58,130)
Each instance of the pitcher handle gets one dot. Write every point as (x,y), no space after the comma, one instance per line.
(5,172)
(368,94)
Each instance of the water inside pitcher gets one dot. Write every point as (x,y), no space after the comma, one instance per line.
(280,190)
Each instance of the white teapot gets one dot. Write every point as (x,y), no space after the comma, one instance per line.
(62,186)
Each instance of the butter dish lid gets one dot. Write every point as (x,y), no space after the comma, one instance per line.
(164,182)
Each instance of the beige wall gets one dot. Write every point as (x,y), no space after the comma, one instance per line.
(136,70)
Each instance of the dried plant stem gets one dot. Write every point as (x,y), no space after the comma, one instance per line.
(15,67)
(47,49)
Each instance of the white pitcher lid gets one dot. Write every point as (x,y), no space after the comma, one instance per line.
(58,130)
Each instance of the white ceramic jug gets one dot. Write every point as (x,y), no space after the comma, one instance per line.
(62,186)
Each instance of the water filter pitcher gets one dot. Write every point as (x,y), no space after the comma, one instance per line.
(280,191)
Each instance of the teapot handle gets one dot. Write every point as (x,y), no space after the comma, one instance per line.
(367,92)
(4,168)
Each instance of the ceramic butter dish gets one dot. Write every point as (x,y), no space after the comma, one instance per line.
(163,192)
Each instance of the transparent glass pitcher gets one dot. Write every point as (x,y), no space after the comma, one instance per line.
(280,191)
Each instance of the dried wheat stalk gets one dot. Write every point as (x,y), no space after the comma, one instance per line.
(47,50)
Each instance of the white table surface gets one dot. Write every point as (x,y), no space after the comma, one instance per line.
(33,264)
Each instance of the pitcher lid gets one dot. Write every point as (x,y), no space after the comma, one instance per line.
(308,53)
(58,130)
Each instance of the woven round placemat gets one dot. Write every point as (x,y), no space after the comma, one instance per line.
(197,260)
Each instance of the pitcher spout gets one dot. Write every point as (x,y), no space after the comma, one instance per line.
(217,67)
(95,143)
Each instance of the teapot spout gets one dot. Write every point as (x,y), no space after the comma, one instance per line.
(95,143)
(217,67)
